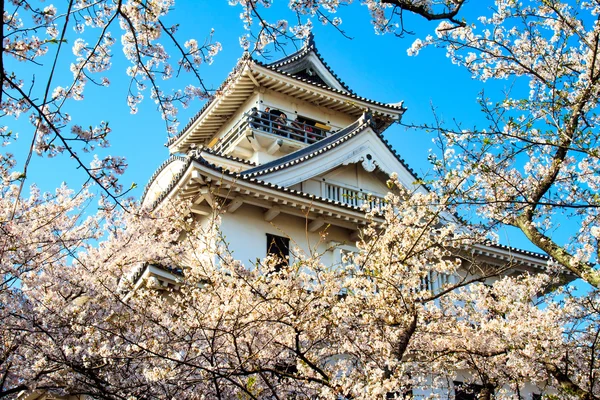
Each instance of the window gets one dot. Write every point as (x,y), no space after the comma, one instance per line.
(463,391)
(404,394)
(278,246)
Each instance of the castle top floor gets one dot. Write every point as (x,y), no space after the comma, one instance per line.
(265,111)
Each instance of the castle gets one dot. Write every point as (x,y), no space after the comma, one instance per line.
(284,151)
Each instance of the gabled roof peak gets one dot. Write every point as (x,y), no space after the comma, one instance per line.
(308,63)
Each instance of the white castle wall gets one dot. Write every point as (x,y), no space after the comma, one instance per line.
(246,232)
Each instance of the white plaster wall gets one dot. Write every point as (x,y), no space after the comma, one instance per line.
(246,230)
(370,182)
(312,186)
(163,180)
(345,175)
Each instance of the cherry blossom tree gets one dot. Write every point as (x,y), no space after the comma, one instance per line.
(536,165)
(36,42)
(225,329)
(77,317)
(369,328)
(43,232)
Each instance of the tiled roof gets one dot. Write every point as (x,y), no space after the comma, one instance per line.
(187,162)
(321,147)
(225,156)
(309,46)
(400,159)
(395,106)
(252,179)
(158,171)
(232,75)
(236,177)
(246,58)
(519,251)
(308,152)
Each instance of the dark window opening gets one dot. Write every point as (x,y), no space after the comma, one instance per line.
(404,394)
(287,368)
(279,247)
(463,391)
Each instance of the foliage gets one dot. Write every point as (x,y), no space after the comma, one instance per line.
(78,315)
(39,40)
(363,329)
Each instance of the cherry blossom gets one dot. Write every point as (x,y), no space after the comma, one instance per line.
(41,34)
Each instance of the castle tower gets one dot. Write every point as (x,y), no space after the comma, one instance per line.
(290,154)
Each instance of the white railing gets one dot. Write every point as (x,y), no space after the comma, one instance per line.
(351,197)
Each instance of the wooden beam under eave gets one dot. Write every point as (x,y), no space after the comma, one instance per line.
(250,75)
(271,213)
(275,146)
(197,177)
(316,224)
(201,210)
(254,143)
(235,203)
(207,195)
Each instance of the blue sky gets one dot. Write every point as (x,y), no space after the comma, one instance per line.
(374,66)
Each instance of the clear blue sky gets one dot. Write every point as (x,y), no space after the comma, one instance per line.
(376,67)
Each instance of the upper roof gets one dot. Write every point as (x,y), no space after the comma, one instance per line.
(370,144)
(308,63)
(303,73)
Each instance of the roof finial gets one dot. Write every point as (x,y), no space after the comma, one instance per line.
(309,41)
(367,116)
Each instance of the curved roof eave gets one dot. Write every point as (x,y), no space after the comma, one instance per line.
(256,66)
(324,146)
(532,258)
(224,176)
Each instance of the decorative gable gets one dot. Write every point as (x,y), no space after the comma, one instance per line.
(307,64)
(358,146)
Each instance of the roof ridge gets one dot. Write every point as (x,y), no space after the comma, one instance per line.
(397,106)
(226,156)
(309,151)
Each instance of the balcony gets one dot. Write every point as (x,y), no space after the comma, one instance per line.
(351,197)
(273,124)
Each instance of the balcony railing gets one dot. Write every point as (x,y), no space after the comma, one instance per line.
(270,123)
(351,197)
